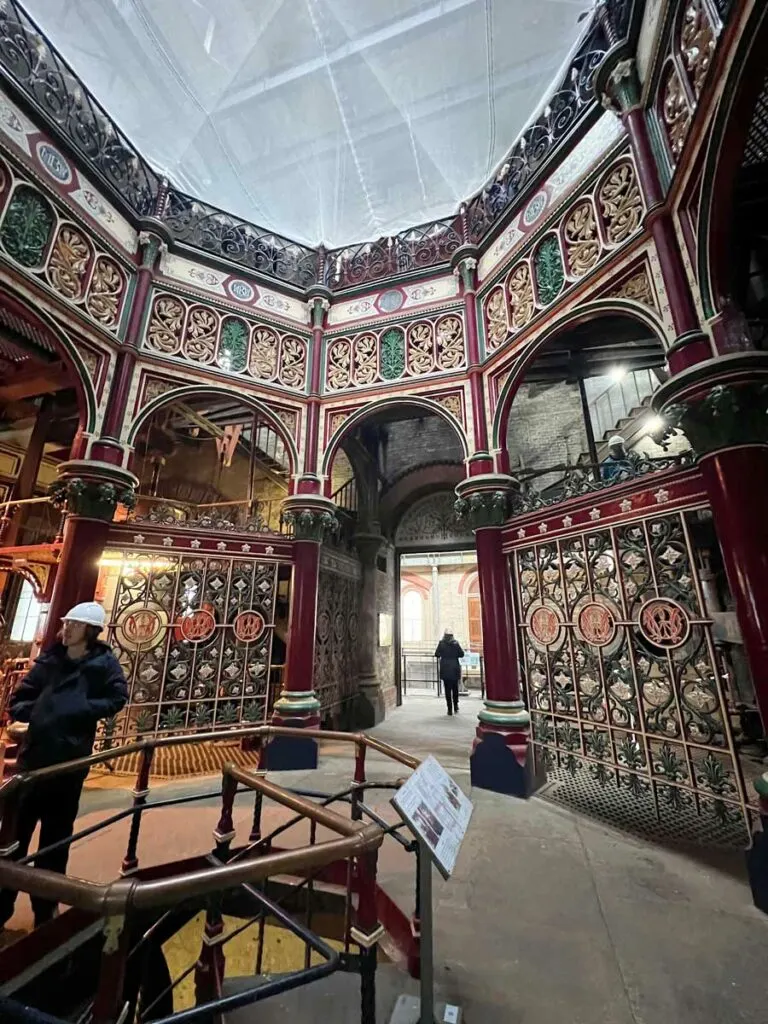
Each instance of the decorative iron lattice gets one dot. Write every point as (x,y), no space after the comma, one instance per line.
(336,649)
(620,670)
(756,149)
(571,101)
(586,479)
(424,246)
(194,637)
(29,61)
(205,227)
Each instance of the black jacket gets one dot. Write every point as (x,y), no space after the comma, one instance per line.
(63,700)
(449,652)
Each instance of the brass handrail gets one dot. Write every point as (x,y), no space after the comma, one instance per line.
(123,895)
(25,501)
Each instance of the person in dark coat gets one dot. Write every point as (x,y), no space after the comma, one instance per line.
(449,651)
(54,712)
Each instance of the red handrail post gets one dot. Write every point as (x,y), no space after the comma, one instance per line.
(109,1001)
(366,932)
(140,794)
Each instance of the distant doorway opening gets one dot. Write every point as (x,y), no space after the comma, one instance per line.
(438,592)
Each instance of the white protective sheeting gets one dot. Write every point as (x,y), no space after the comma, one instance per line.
(329,121)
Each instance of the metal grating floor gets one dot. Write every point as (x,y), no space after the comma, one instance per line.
(616,806)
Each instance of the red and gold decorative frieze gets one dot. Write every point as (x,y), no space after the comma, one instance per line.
(596,225)
(204,335)
(401,351)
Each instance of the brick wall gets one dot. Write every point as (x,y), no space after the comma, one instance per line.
(385,603)
(546,426)
(413,442)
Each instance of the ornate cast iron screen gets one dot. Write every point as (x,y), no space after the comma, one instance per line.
(628,712)
(194,636)
(336,668)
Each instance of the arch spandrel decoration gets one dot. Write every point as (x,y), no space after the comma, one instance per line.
(432,521)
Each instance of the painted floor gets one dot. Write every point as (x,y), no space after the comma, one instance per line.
(549,916)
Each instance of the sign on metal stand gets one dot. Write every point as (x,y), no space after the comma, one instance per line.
(437,812)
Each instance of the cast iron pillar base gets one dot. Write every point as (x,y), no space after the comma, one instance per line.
(502,758)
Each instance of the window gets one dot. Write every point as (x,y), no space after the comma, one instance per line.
(412,615)
(27,616)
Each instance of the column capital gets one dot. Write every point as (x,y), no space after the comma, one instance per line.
(617,82)
(368,545)
(464,263)
(311,516)
(93,489)
(155,238)
(318,304)
(486,500)
(718,403)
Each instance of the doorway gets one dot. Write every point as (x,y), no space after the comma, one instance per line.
(438,591)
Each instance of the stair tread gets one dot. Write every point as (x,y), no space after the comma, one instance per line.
(334,998)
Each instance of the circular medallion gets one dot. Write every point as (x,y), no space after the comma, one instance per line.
(241,290)
(664,622)
(54,163)
(390,301)
(535,208)
(139,627)
(248,626)
(596,624)
(352,625)
(544,624)
(323,626)
(197,626)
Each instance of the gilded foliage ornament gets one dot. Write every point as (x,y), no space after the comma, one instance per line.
(496,318)
(339,364)
(521,300)
(165,325)
(676,113)
(697,42)
(420,348)
(581,238)
(200,335)
(27,227)
(621,203)
(264,350)
(69,262)
(105,292)
(449,343)
(550,277)
(293,362)
(636,288)
(366,369)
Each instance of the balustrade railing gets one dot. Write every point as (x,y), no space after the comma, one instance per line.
(257,516)
(347,498)
(566,481)
(122,990)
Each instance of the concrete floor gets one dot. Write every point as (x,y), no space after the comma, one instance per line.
(549,916)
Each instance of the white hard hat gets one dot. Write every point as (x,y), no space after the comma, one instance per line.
(89,612)
(616,439)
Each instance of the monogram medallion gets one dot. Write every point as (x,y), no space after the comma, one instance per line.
(248,626)
(596,624)
(197,626)
(664,622)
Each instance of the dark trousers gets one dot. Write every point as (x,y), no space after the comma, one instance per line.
(53,803)
(451,690)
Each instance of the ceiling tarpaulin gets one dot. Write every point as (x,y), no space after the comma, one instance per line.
(330,121)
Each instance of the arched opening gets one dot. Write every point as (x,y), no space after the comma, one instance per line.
(584,384)
(213,456)
(46,402)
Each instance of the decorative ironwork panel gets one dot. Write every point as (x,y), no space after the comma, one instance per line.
(205,227)
(194,637)
(336,669)
(48,82)
(621,676)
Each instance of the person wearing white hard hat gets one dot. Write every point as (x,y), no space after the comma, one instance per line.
(54,712)
(617,465)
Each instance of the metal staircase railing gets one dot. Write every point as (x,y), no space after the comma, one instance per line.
(124,905)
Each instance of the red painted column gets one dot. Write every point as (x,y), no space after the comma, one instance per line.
(319,304)
(312,517)
(154,237)
(90,492)
(465,267)
(500,754)
(721,407)
(616,81)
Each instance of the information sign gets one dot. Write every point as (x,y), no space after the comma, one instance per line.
(435,809)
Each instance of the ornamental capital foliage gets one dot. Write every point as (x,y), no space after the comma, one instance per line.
(311,524)
(484,508)
(727,415)
(90,498)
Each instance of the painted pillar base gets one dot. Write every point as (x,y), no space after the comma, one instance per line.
(370,708)
(502,759)
(757,855)
(294,710)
